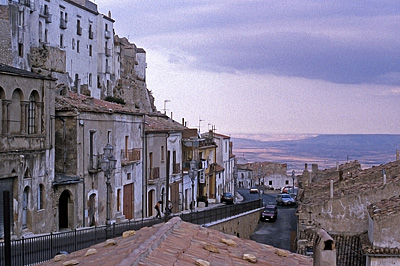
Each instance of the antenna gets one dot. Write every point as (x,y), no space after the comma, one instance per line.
(200,120)
(165,105)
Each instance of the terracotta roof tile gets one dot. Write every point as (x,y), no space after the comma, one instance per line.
(181,243)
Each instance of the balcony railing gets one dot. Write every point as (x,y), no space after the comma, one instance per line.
(107,51)
(90,34)
(107,34)
(94,163)
(176,168)
(63,23)
(44,12)
(79,31)
(154,173)
(130,155)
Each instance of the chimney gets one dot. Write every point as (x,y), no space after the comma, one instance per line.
(331,188)
(183,121)
(384,176)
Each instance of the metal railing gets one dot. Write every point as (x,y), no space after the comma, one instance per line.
(33,250)
(219,213)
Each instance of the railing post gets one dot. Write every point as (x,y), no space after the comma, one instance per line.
(23,250)
(75,240)
(51,245)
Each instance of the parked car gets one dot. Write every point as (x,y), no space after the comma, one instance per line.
(253,190)
(285,199)
(270,213)
(227,197)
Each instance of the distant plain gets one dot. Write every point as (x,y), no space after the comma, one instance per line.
(325,150)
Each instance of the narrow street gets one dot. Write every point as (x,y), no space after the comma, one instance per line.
(280,233)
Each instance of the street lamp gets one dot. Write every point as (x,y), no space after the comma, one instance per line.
(293,176)
(192,175)
(235,176)
(107,164)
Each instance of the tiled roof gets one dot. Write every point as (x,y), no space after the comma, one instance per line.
(20,72)
(354,183)
(348,248)
(162,124)
(74,101)
(181,243)
(384,207)
(369,249)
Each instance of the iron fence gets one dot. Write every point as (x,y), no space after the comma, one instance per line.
(37,249)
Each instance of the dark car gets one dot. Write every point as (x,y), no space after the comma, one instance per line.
(285,199)
(270,213)
(227,197)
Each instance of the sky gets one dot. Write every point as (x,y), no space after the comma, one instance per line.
(263,66)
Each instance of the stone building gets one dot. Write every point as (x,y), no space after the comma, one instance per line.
(27,149)
(268,175)
(163,157)
(82,37)
(85,194)
(337,201)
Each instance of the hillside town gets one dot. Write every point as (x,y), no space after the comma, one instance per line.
(83,144)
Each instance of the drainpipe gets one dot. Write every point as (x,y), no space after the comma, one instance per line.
(144,166)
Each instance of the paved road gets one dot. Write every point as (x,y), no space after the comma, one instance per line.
(280,233)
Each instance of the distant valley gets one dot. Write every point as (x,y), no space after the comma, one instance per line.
(324,150)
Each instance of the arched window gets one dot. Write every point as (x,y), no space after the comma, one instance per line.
(15,112)
(31,115)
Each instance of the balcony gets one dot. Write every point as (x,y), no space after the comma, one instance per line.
(79,31)
(107,51)
(154,175)
(91,34)
(176,168)
(94,163)
(107,34)
(49,18)
(63,23)
(44,12)
(130,155)
(25,2)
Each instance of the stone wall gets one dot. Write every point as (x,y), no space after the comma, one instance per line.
(240,225)
(5,37)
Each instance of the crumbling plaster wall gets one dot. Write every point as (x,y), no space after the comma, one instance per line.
(347,214)
(385,233)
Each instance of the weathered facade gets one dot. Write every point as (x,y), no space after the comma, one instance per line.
(27,149)
(84,127)
(163,140)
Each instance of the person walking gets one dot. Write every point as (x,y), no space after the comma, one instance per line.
(157,207)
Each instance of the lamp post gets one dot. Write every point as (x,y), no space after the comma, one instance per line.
(293,176)
(235,176)
(107,164)
(192,175)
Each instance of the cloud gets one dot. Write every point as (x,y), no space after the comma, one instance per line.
(339,42)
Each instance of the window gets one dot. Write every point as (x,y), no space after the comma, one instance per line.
(31,115)
(90,31)
(128,176)
(90,50)
(78,27)
(61,41)
(21,18)
(90,79)
(77,46)
(162,153)
(40,197)
(73,43)
(20,49)
(287,182)
(270,183)
(91,150)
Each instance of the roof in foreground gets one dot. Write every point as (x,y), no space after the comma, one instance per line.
(181,243)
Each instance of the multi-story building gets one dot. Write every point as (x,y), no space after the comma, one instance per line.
(163,138)
(66,39)
(86,193)
(27,149)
